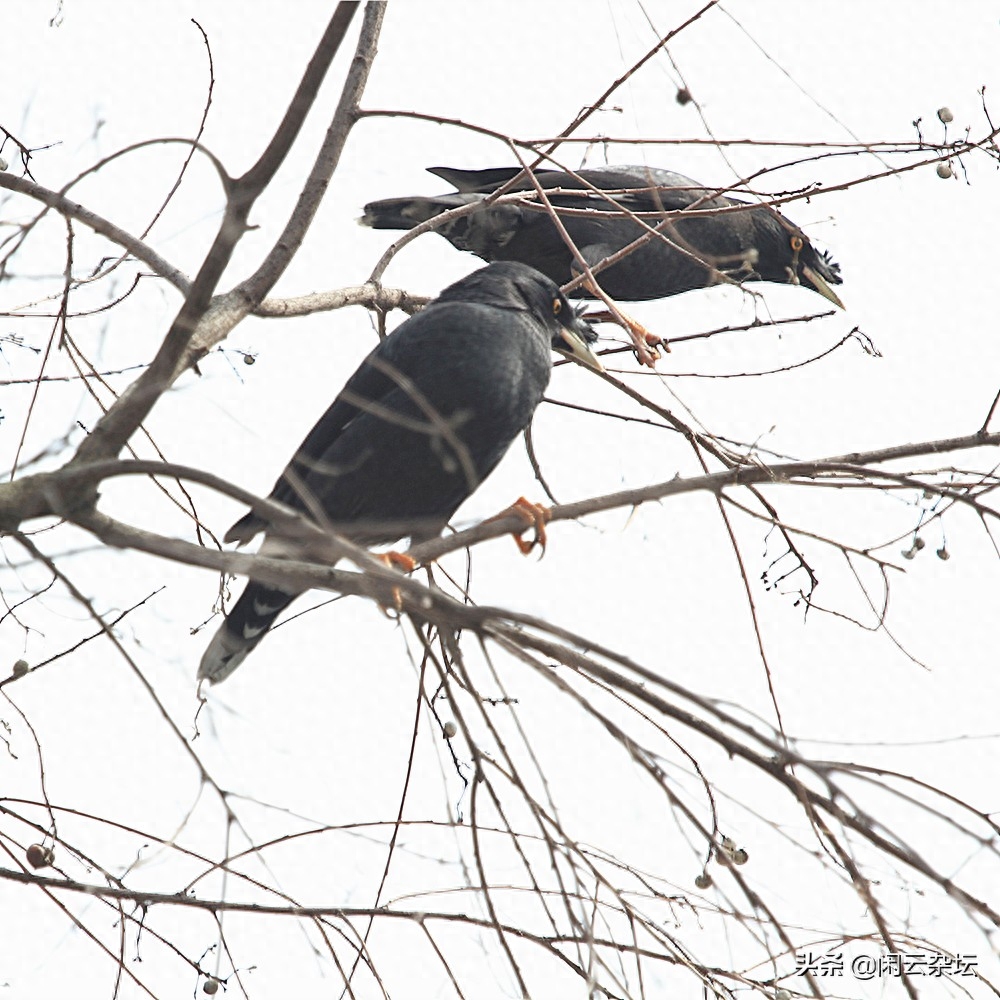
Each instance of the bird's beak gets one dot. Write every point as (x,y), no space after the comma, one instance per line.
(820,285)
(574,346)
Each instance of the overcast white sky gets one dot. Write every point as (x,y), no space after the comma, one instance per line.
(318,722)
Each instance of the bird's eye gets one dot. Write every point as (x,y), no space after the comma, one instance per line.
(796,243)
(556,307)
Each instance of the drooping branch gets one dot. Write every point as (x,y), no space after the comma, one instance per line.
(103,227)
(549,942)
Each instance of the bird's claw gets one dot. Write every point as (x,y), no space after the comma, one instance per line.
(535,517)
(398,560)
(404,564)
(646,343)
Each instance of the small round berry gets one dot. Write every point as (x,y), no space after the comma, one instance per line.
(703,881)
(39,856)
(944,170)
(210,986)
(248,359)
(908,553)
(449,729)
(3,163)
(945,115)
(683,96)
(918,543)
(740,856)
(21,667)
(943,553)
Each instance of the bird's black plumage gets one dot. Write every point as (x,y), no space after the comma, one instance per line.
(416,429)
(742,241)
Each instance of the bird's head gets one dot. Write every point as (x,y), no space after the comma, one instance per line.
(786,256)
(511,285)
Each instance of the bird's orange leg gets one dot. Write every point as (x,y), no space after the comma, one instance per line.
(646,342)
(535,516)
(398,560)
(404,564)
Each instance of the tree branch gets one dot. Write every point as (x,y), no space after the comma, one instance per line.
(371,295)
(262,281)
(202,322)
(73,210)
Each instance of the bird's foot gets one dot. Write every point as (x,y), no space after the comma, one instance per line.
(401,562)
(651,339)
(647,344)
(398,560)
(535,517)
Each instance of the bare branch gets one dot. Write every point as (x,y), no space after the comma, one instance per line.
(372,296)
(260,283)
(201,323)
(72,210)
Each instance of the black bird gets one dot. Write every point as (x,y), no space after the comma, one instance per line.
(742,241)
(415,430)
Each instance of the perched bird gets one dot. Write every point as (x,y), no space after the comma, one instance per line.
(415,430)
(727,237)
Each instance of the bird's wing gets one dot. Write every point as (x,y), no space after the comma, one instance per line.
(479,181)
(369,382)
(651,189)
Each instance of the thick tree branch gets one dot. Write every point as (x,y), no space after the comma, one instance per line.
(371,295)
(63,493)
(201,323)
(262,281)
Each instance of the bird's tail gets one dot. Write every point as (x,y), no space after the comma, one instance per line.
(248,622)
(405,213)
